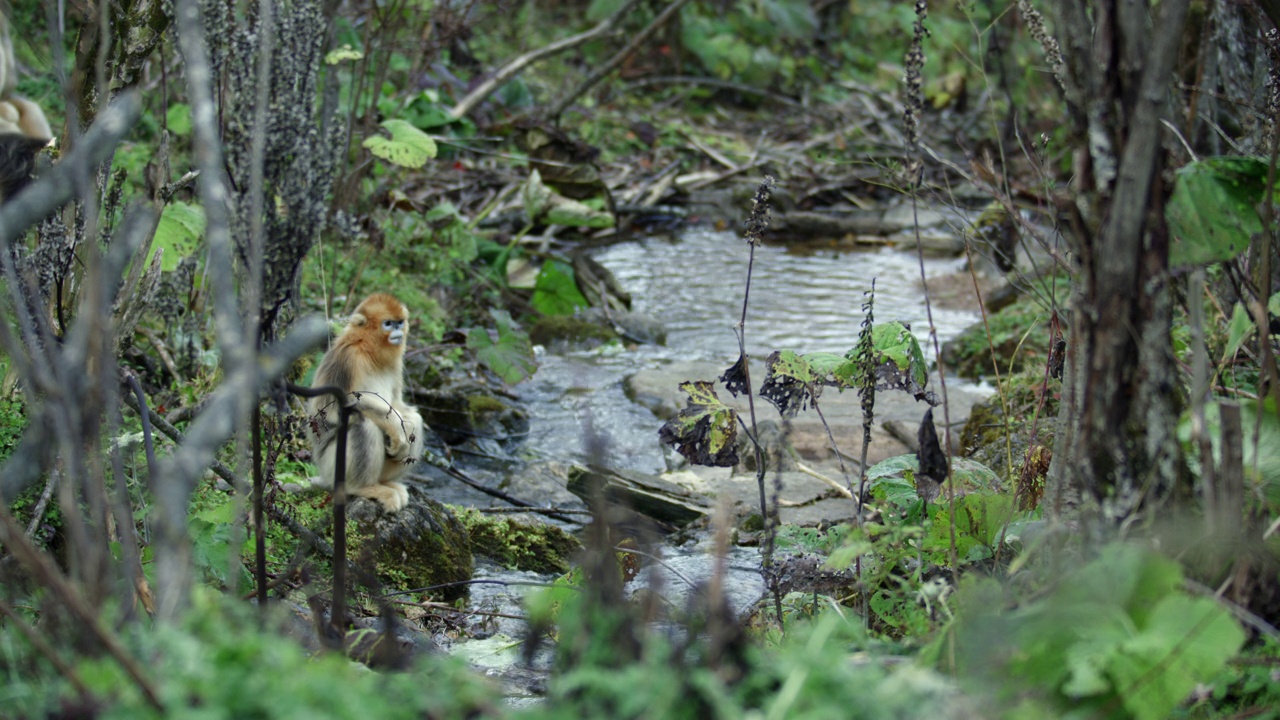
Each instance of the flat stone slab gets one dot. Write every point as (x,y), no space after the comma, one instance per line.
(659,390)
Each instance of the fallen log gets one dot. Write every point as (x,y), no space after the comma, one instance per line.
(648,495)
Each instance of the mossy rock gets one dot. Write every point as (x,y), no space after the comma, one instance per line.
(1020,339)
(570,330)
(984,435)
(466,410)
(519,545)
(423,545)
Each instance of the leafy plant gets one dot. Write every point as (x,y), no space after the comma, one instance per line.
(510,356)
(556,290)
(407,147)
(1116,636)
(1213,211)
(706,430)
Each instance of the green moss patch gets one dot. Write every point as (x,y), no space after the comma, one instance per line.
(519,545)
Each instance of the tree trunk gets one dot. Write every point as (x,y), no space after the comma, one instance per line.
(1116,439)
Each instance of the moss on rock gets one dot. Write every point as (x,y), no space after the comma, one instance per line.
(1008,447)
(423,545)
(519,545)
(1020,338)
(570,329)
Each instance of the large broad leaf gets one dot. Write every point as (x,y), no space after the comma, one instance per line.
(407,147)
(511,356)
(178,234)
(1212,212)
(1185,641)
(556,290)
(706,430)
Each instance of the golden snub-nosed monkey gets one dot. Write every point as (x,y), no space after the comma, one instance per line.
(385,436)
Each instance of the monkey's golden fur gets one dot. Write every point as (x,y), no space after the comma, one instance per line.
(386,435)
(17,114)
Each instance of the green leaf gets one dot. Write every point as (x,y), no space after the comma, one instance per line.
(706,430)
(178,119)
(511,357)
(343,54)
(1266,450)
(564,211)
(178,234)
(1212,212)
(407,147)
(1239,330)
(556,290)
(893,341)
(536,196)
(789,382)
(1186,641)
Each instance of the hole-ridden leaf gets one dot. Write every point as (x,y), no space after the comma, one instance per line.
(178,234)
(789,383)
(556,290)
(899,364)
(895,344)
(511,356)
(407,147)
(706,430)
(735,378)
(1212,212)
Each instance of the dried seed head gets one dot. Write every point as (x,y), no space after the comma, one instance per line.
(758,220)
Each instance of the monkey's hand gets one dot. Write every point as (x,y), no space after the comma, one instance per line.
(397,446)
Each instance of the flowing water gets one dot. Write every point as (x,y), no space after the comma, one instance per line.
(803,301)
(800,300)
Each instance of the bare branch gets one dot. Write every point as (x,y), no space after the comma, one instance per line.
(512,68)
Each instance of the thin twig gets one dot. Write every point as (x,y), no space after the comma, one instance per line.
(508,71)
(600,73)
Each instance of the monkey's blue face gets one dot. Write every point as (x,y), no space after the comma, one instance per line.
(394,330)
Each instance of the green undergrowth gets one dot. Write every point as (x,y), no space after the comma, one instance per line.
(1020,416)
(216,663)
(1020,337)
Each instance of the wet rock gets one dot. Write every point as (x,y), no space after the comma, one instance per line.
(933,241)
(646,494)
(423,545)
(466,410)
(778,452)
(571,330)
(658,389)
(823,512)
(517,544)
(640,328)
(594,327)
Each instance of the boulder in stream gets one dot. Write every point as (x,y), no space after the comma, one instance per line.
(423,545)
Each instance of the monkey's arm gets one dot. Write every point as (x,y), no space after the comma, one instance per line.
(387,417)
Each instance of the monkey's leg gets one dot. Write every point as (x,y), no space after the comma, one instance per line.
(396,466)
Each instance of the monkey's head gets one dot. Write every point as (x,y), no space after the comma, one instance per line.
(383,324)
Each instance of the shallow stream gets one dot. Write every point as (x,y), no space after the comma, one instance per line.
(802,300)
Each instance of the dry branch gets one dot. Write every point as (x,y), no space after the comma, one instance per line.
(508,71)
(601,72)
